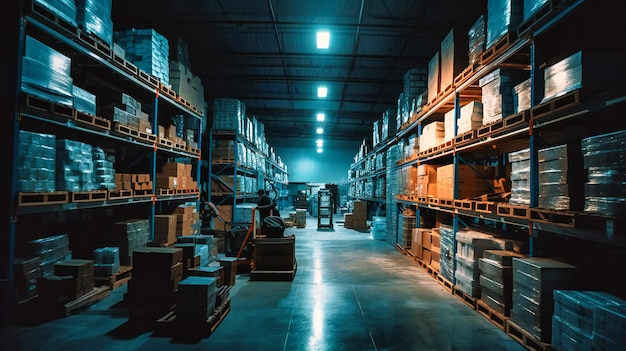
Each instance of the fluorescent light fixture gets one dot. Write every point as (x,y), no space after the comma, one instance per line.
(323,39)
(319,150)
(320,130)
(319,142)
(321,117)
(322,92)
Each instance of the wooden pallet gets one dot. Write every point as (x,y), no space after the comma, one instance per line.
(562,218)
(539,16)
(445,202)
(89,196)
(492,316)
(542,111)
(464,204)
(489,129)
(143,193)
(120,194)
(149,79)
(485,207)
(162,192)
(465,138)
(165,142)
(496,49)
(401,249)
(197,110)
(167,91)
(52,17)
(171,326)
(49,198)
(116,280)
(468,300)
(92,121)
(525,338)
(463,76)
(96,44)
(86,300)
(193,150)
(126,65)
(37,103)
(135,133)
(257,274)
(516,211)
(445,283)
(181,100)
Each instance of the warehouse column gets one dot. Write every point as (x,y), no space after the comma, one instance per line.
(10,70)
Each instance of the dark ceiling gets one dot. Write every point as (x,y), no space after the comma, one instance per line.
(263,52)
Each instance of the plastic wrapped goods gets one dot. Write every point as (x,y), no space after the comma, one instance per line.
(46,73)
(65,9)
(502,16)
(74,166)
(84,101)
(106,261)
(520,177)
(228,114)
(531,6)
(148,50)
(94,17)
(477,38)
(36,162)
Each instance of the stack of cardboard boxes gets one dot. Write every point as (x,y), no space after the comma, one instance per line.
(165,229)
(134,182)
(176,176)
(426,247)
(359,215)
(426,181)
(472,181)
(72,279)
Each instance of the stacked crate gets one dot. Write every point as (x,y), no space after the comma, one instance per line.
(603,157)
(176,176)
(165,229)
(131,235)
(520,177)
(103,171)
(148,50)
(426,181)
(106,261)
(204,248)
(126,111)
(94,17)
(228,114)
(196,298)
(435,250)
(406,223)
(477,38)
(157,271)
(497,93)
(36,164)
(502,16)
(496,279)
(52,82)
(559,180)
(184,220)
(74,166)
(534,282)
(469,249)
(578,313)
(446,259)
(81,273)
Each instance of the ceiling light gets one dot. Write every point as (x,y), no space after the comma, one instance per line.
(320,142)
(322,92)
(321,117)
(319,150)
(320,130)
(323,39)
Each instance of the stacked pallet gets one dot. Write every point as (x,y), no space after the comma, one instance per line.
(36,162)
(497,93)
(520,177)
(94,17)
(148,50)
(432,135)
(470,248)
(477,37)
(130,235)
(496,279)
(106,261)
(472,181)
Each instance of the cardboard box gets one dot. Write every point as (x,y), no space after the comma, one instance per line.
(173,169)
(472,182)
(426,239)
(161,132)
(145,126)
(170,132)
(416,250)
(348,220)
(186,211)
(118,178)
(359,224)
(426,256)
(165,229)
(435,240)
(183,228)
(127,177)
(454,57)
(166,182)
(434,76)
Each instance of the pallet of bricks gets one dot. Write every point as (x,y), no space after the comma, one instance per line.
(177,178)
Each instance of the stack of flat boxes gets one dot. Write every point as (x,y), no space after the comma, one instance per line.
(176,176)
(186,84)
(27,272)
(196,298)
(191,261)
(576,315)
(503,16)
(214,270)
(74,166)
(223,151)
(435,250)
(50,250)
(415,84)
(228,114)
(497,93)
(471,118)
(103,170)
(454,57)
(477,38)
(81,272)
(427,181)
(157,271)
(472,181)
(560,182)
(603,157)
(184,220)
(520,177)
(131,235)
(432,135)
(94,17)
(128,181)
(204,247)
(406,223)
(521,96)
(534,282)
(359,215)
(148,50)
(420,243)
(36,164)
(496,279)
(172,134)
(106,261)
(470,247)
(446,259)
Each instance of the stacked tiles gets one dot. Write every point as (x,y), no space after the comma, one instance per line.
(196,298)
(36,162)
(432,135)
(65,9)
(521,97)
(575,317)
(446,259)
(502,16)
(228,114)
(520,177)
(27,272)
(157,271)
(603,157)
(609,326)
(477,38)
(131,235)
(84,101)
(74,166)
(497,93)
(558,177)
(534,281)
(46,73)
(106,261)
(496,279)
(103,171)
(406,223)
(94,17)
(469,249)
(531,6)
(388,126)
(148,50)
(392,190)
(50,250)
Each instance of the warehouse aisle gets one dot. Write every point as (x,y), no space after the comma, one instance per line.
(350,293)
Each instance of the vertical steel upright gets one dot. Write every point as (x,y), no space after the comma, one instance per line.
(12,42)
(199,164)
(153,166)
(534,176)
(455,171)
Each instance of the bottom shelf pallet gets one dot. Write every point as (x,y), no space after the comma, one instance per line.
(116,280)
(494,317)
(87,300)
(525,338)
(171,326)
(468,300)
(445,283)
(256,274)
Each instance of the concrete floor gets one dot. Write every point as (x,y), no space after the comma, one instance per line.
(350,293)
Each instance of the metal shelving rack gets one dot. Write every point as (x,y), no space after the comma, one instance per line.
(98,60)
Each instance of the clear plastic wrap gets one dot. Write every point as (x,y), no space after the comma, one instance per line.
(531,6)
(148,50)
(65,9)
(94,17)
(561,203)
(36,162)
(446,258)
(521,155)
(521,99)
(477,39)
(502,15)
(610,323)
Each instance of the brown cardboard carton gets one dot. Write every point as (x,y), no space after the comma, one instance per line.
(426,239)
(348,220)
(165,229)
(166,182)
